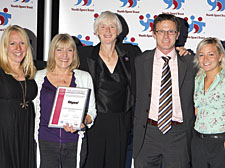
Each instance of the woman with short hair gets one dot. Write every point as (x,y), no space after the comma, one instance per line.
(110,65)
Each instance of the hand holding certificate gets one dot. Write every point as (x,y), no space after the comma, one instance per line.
(69,107)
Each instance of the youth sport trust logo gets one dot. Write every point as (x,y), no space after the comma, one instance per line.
(4,17)
(85,2)
(23,1)
(176,3)
(85,42)
(220,4)
(196,26)
(132,41)
(147,22)
(132,3)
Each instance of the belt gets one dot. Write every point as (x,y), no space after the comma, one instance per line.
(214,136)
(155,123)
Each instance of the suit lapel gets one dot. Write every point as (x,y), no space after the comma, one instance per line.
(182,68)
(124,59)
(148,68)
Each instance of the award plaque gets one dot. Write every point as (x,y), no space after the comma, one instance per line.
(69,107)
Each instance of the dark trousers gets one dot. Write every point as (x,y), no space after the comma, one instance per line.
(207,152)
(57,155)
(163,151)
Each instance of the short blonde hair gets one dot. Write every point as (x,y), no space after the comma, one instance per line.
(58,41)
(203,43)
(107,15)
(27,63)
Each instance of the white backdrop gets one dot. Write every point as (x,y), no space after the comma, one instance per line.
(205,18)
(22,13)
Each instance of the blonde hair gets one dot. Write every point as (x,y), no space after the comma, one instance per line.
(27,63)
(58,41)
(107,15)
(203,43)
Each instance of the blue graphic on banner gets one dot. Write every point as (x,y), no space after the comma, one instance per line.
(196,26)
(85,2)
(148,23)
(85,42)
(132,41)
(177,3)
(217,3)
(4,17)
(23,1)
(132,3)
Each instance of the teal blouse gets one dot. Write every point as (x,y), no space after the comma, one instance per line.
(210,118)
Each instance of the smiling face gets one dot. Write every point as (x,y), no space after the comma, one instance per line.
(63,56)
(209,58)
(107,32)
(165,41)
(17,48)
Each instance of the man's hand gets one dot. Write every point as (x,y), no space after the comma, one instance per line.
(183,51)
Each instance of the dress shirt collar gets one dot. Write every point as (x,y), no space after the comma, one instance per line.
(172,54)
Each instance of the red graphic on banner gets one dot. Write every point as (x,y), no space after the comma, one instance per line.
(58,106)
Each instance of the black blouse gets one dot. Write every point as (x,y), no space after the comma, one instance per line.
(111,89)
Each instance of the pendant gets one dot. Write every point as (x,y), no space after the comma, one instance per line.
(24,104)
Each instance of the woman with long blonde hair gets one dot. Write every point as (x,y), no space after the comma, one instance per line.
(17,90)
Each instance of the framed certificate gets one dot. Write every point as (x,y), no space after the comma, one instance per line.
(69,107)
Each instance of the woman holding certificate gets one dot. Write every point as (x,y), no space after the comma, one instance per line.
(208,143)
(59,146)
(17,90)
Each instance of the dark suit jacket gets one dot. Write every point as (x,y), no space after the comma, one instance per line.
(186,75)
(126,52)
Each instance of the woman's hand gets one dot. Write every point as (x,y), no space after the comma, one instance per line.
(70,129)
(183,51)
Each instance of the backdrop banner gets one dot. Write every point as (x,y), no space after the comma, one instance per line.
(205,18)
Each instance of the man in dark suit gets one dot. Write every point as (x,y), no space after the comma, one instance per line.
(152,147)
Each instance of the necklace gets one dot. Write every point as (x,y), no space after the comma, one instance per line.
(24,104)
(108,58)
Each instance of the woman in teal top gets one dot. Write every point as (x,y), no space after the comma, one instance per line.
(208,144)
